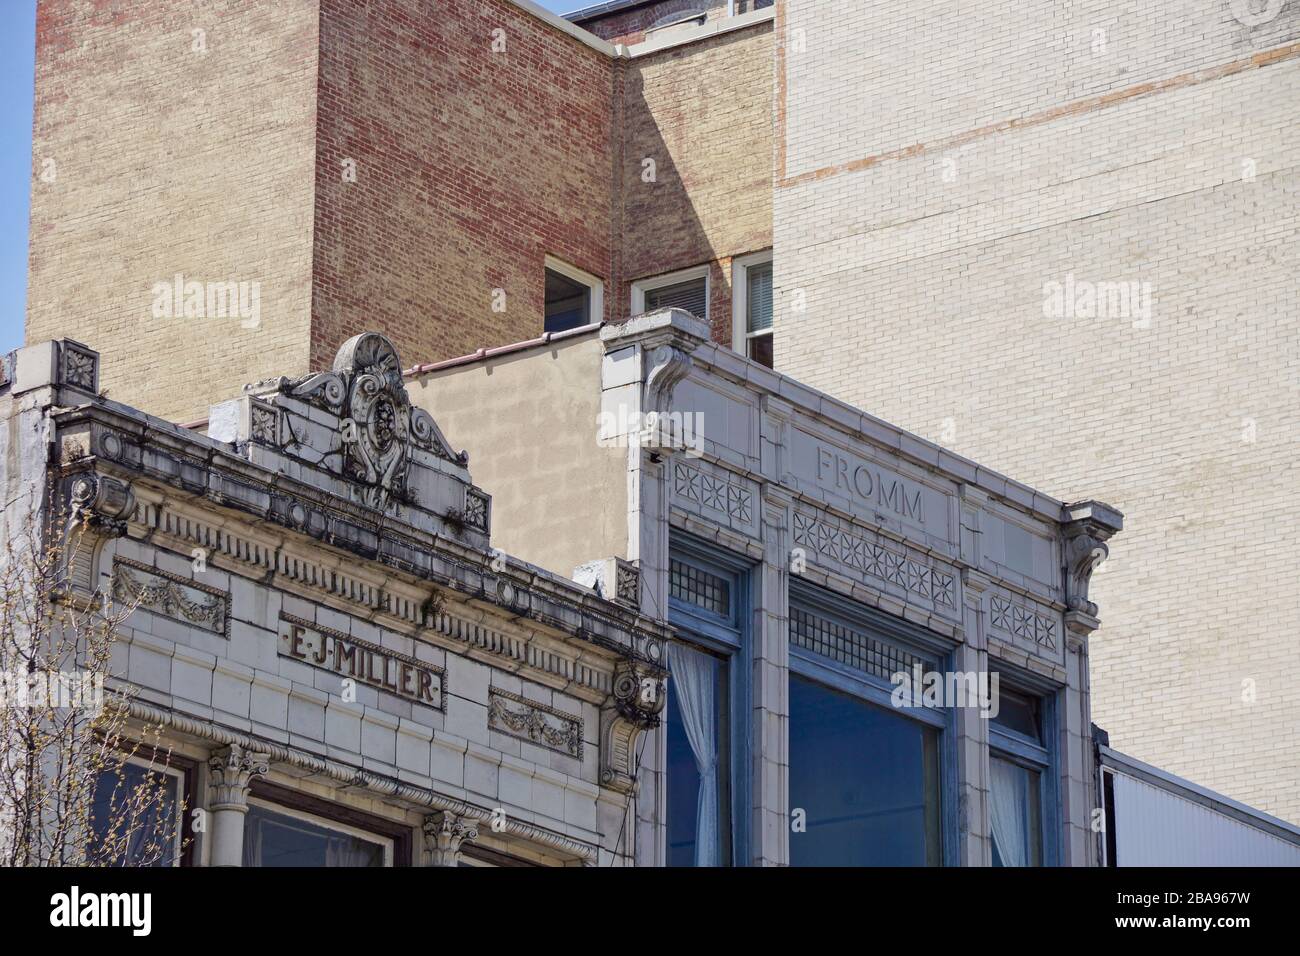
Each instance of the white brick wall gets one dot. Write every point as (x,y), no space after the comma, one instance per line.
(921,227)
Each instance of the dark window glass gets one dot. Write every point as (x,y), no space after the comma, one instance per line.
(147,835)
(866,779)
(277,839)
(568,303)
(133,816)
(1019,713)
(708,711)
(760,349)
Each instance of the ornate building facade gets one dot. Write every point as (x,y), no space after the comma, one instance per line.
(806,555)
(343,671)
(808,637)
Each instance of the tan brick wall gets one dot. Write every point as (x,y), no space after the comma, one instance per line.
(703,112)
(171,160)
(555,505)
(471,164)
(937,172)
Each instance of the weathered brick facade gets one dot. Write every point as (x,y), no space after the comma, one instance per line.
(928,193)
(388,166)
(173,152)
(703,113)
(472,164)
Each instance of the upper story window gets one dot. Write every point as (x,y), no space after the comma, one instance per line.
(751,306)
(865,774)
(687,289)
(706,766)
(675,22)
(573,298)
(135,815)
(279,836)
(1020,762)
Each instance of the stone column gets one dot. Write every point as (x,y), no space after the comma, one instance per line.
(232,770)
(444,833)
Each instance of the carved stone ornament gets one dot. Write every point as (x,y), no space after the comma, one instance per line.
(378,423)
(519,717)
(667,365)
(138,585)
(444,834)
(231,771)
(1092,524)
(103,503)
(636,703)
(79,367)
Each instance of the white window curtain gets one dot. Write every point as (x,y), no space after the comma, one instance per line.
(1009,802)
(692,681)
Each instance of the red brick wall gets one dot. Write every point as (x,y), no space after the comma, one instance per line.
(471,166)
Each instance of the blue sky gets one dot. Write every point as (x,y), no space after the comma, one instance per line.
(17,53)
(17,50)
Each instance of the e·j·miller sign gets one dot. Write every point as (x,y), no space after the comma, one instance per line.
(350,657)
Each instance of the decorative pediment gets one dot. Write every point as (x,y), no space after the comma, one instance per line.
(377,423)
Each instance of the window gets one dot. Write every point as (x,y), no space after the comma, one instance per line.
(688,289)
(1019,779)
(277,836)
(573,297)
(707,744)
(751,306)
(674,22)
(866,778)
(134,815)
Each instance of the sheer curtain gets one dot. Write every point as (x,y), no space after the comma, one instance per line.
(1009,802)
(692,679)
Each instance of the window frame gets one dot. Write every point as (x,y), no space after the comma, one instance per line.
(183,782)
(641,286)
(1043,758)
(727,637)
(337,816)
(385,842)
(740,266)
(877,691)
(595,286)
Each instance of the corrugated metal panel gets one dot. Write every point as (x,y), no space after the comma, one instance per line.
(1154,827)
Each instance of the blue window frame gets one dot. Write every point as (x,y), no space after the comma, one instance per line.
(870,783)
(1023,815)
(707,726)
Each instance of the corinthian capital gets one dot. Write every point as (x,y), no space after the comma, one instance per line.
(232,770)
(444,833)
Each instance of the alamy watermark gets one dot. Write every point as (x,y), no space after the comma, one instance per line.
(921,688)
(225,299)
(1082,299)
(67,690)
(679,430)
